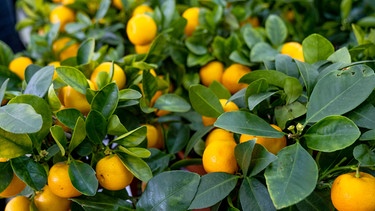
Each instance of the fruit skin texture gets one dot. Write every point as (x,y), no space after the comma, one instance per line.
(218,134)
(192,17)
(219,157)
(141,29)
(18,203)
(65,48)
(212,71)
(62,15)
(112,174)
(19,65)
(227,106)
(154,137)
(232,75)
(71,98)
(294,50)
(350,193)
(45,200)
(59,181)
(273,145)
(15,187)
(119,76)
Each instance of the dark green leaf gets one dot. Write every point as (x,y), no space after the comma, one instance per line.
(136,166)
(105,101)
(29,171)
(69,117)
(103,8)
(96,127)
(132,138)
(251,36)
(79,134)
(177,137)
(138,152)
(172,102)
(6,54)
(115,127)
(204,101)
(254,195)
(6,175)
(286,113)
(194,139)
(262,51)
(309,75)
(73,77)
(40,82)
(102,201)
(364,155)
(83,178)
(363,116)
(86,50)
(276,30)
(59,136)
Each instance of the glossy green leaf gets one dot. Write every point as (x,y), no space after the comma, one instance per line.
(96,127)
(254,195)
(6,54)
(158,161)
(364,155)
(194,139)
(6,175)
(79,134)
(276,30)
(73,77)
(83,178)
(213,188)
(115,127)
(246,123)
(69,116)
(29,171)
(102,201)
(363,116)
(299,173)
(52,99)
(342,55)
(85,51)
(343,91)
(286,113)
(129,94)
(286,65)
(316,48)
(103,8)
(132,138)
(219,89)
(256,99)
(136,166)
(20,118)
(14,145)
(3,89)
(58,135)
(368,135)
(149,85)
(331,134)
(105,101)
(204,101)
(172,102)
(40,82)
(309,75)
(251,36)
(262,51)
(136,151)
(171,190)
(317,200)
(177,137)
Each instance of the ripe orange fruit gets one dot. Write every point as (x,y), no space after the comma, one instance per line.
(119,76)
(212,71)
(45,200)
(141,49)
(15,187)
(154,137)
(59,181)
(71,98)
(227,106)
(19,65)
(63,15)
(64,48)
(18,203)
(141,29)
(3,160)
(192,17)
(112,173)
(293,49)
(351,192)
(142,9)
(219,157)
(273,145)
(218,134)
(117,4)
(232,75)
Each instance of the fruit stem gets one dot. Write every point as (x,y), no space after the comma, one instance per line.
(357,173)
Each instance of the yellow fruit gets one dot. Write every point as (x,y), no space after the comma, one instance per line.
(350,192)
(142,9)
(154,137)
(141,49)
(232,75)
(45,200)
(213,71)
(3,160)
(65,2)
(273,145)
(141,29)
(112,173)
(219,134)
(54,64)
(219,157)
(65,48)
(119,76)
(71,98)
(19,65)
(192,17)
(117,4)
(293,49)
(59,181)
(18,203)
(63,15)
(15,187)
(227,106)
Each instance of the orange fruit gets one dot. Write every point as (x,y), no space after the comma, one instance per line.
(63,15)
(45,200)
(227,106)
(141,29)
(117,4)
(142,9)
(112,173)
(212,71)
(154,137)
(273,145)
(353,192)
(19,65)
(65,48)
(232,75)
(54,64)
(119,76)
(59,181)
(65,2)
(15,187)
(71,98)
(293,49)
(141,49)
(192,17)
(218,134)
(2,160)
(18,203)
(219,157)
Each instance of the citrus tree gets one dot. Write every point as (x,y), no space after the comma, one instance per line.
(112,107)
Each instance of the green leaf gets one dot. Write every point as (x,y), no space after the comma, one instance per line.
(69,117)
(204,101)
(40,82)
(6,175)
(14,145)
(256,99)
(363,116)
(138,152)
(172,102)
(58,135)
(364,155)
(6,54)
(251,36)
(309,75)
(368,135)
(254,195)
(342,55)
(96,127)
(115,127)
(286,113)
(3,89)
(276,30)
(213,188)
(171,190)
(52,99)
(331,134)
(86,50)
(102,201)
(79,134)
(29,171)
(136,166)
(20,118)
(194,139)
(73,77)
(83,178)
(243,122)
(106,100)
(262,51)
(315,201)
(177,136)
(347,89)
(129,94)
(219,89)
(103,9)
(132,138)
(316,48)
(286,65)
